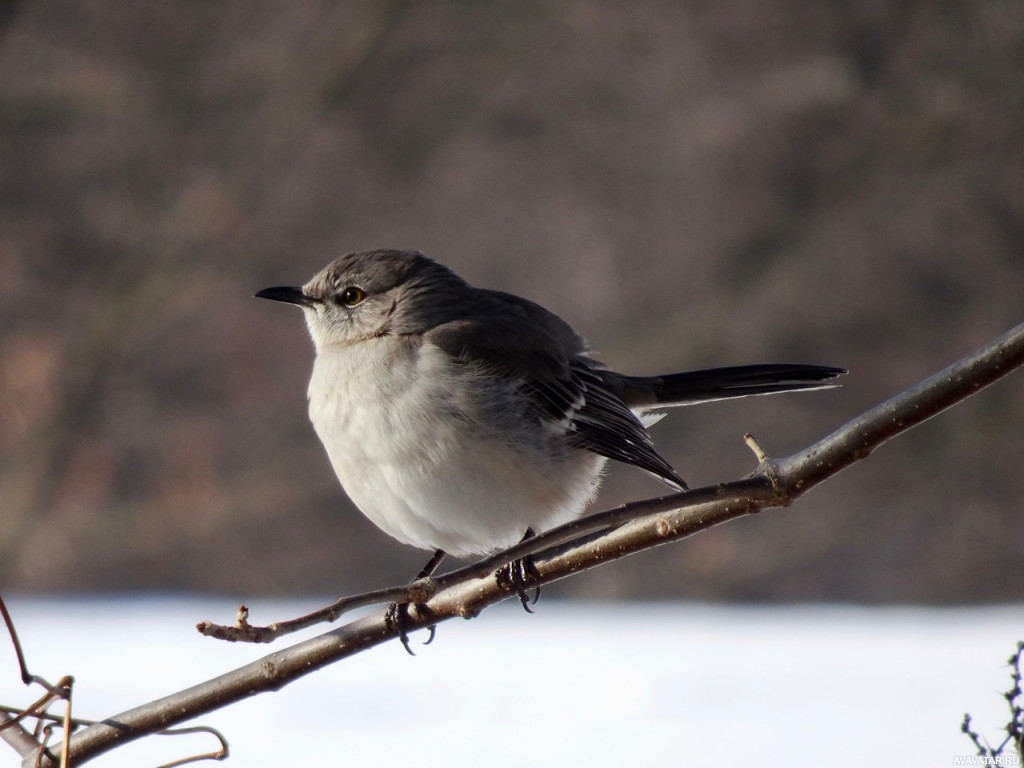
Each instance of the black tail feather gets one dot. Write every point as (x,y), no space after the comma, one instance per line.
(723,383)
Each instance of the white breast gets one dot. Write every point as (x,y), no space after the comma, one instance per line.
(416,451)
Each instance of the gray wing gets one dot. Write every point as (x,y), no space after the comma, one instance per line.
(562,387)
(606,426)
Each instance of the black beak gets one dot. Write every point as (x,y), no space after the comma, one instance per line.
(286,294)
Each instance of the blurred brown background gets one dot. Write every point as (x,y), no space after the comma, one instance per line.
(689,184)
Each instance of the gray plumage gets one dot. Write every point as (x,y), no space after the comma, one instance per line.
(457,418)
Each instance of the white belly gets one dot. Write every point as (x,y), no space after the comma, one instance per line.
(424,467)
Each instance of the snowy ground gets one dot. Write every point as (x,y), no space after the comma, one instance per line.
(573,685)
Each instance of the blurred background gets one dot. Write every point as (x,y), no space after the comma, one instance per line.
(689,184)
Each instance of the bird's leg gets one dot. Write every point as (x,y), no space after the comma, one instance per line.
(518,574)
(397,614)
(431,566)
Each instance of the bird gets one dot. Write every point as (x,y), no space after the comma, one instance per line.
(461,419)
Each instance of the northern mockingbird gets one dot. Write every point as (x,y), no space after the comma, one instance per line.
(460,419)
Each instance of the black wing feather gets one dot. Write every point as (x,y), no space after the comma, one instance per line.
(606,426)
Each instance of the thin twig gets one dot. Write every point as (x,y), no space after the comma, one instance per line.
(26,678)
(32,748)
(11,730)
(217,754)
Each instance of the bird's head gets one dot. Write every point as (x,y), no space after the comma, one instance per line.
(374,293)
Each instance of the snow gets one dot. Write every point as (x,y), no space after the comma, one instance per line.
(573,685)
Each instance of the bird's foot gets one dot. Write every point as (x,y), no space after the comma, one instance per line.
(396,617)
(421,590)
(520,575)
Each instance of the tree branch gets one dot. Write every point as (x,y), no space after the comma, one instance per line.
(17,737)
(579,546)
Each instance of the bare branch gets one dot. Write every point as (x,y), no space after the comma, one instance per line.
(579,546)
(17,737)
(29,747)
(11,729)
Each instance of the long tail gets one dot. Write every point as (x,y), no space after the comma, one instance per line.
(723,383)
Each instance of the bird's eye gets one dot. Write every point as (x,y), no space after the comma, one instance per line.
(352,295)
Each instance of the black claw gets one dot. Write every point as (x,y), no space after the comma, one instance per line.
(524,600)
(397,617)
(517,575)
